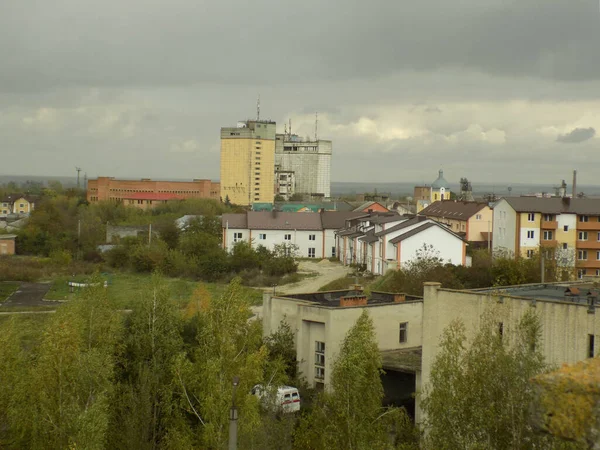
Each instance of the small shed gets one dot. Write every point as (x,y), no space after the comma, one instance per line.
(7,244)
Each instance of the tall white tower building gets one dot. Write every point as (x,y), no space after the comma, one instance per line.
(302,166)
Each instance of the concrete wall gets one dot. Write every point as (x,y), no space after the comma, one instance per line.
(565,326)
(311,322)
(504,228)
(115,233)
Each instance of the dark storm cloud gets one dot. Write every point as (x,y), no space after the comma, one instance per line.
(577,135)
(185,42)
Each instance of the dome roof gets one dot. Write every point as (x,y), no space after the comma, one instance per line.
(440,182)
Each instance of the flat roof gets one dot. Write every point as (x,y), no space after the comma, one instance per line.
(563,292)
(7,236)
(331,299)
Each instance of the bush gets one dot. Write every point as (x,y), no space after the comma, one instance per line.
(61,258)
(149,258)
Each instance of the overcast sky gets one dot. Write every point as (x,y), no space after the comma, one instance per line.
(494,90)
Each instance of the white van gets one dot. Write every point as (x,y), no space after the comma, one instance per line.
(287,398)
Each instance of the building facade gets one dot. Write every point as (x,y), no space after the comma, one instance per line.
(313,234)
(139,192)
(302,166)
(438,191)
(382,242)
(473,220)
(17,204)
(7,244)
(248,162)
(320,322)
(567,229)
(570,323)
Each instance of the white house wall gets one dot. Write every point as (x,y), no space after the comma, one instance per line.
(449,247)
(300,238)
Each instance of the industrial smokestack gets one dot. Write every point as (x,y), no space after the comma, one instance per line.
(574,184)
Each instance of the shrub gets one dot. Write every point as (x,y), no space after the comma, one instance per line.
(60,258)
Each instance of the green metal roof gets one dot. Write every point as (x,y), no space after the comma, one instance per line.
(262,206)
(440,182)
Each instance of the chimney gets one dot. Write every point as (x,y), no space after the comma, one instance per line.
(399,298)
(574,184)
(353,300)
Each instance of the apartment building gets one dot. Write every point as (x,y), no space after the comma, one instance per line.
(312,233)
(146,193)
(248,162)
(302,166)
(472,220)
(383,242)
(567,229)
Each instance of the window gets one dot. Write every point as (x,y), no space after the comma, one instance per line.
(21,205)
(565,246)
(477,216)
(530,234)
(598,272)
(530,253)
(319,360)
(566,228)
(237,237)
(598,237)
(548,235)
(311,252)
(548,217)
(500,329)
(591,339)
(333,252)
(262,236)
(582,255)
(257,163)
(598,256)
(403,335)
(311,237)
(531,217)
(287,237)
(584,218)
(582,236)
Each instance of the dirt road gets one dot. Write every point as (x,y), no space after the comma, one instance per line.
(327,271)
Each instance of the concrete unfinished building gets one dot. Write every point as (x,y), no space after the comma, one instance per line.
(302,166)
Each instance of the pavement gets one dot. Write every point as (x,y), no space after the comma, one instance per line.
(30,294)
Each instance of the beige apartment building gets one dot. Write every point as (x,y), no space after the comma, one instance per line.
(567,229)
(472,220)
(248,162)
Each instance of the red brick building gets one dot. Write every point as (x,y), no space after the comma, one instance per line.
(146,193)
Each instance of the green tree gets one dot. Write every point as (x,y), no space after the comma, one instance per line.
(143,403)
(169,233)
(228,345)
(351,415)
(479,394)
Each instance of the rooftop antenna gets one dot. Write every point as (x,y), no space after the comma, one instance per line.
(290,127)
(285,129)
(316,126)
(78,169)
(258,108)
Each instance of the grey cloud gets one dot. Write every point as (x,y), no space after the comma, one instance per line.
(577,135)
(226,43)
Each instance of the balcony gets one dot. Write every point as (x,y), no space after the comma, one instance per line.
(553,243)
(549,225)
(590,263)
(593,244)
(584,226)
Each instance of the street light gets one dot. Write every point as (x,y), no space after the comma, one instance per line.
(233,417)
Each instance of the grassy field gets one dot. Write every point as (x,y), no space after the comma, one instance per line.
(127,288)
(7,289)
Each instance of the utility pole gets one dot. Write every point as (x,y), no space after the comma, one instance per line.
(233,417)
(79,239)
(489,238)
(78,169)
(543,258)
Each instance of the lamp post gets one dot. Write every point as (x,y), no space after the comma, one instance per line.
(233,417)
